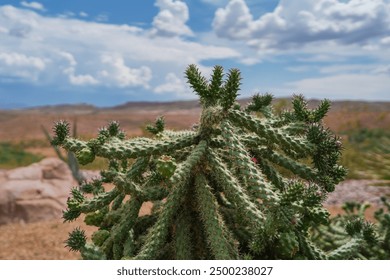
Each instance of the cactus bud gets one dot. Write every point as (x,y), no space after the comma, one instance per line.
(85,156)
(76,240)
(166,166)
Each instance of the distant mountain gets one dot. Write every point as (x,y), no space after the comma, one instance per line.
(357,106)
(10,106)
(62,108)
(353,106)
(182,105)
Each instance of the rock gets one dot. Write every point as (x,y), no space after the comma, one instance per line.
(36,192)
(360,191)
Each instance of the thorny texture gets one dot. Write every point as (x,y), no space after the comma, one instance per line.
(245,183)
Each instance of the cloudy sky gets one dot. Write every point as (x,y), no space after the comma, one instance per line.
(110,52)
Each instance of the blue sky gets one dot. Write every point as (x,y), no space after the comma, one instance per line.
(109,52)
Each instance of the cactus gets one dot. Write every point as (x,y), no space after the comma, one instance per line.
(70,159)
(245,183)
(331,235)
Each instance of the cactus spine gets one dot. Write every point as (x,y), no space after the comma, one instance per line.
(245,183)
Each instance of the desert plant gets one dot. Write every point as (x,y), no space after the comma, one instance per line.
(217,190)
(332,235)
(70,158)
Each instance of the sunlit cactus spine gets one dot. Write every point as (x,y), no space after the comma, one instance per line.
(244,183)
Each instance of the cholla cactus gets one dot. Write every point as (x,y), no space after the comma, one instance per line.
(245,183)
(332,235)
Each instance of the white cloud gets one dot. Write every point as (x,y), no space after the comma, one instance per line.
(385,41)
(123,75)
(172,18)
(344,86)
(33,5)
(82,80)
(296,23)
(70,71)
(174,85)
(79,52)
(19,66)
(382,69)
(21,60)
(83,14)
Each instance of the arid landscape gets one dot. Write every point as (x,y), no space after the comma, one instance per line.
(363,126)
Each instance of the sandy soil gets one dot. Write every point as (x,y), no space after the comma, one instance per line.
(38,241)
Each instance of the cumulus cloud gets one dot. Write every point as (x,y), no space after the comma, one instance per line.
(172,18)
(175,85)
(21,60)
(19,66)
(82,80)
(33,5)
(123,75)
(80,53)
(296,23)
(343,86)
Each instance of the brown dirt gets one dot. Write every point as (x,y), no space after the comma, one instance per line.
(38,241)
(26,125)
(44,240)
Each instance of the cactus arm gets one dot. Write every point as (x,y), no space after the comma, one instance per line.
(310,250)
(92,252)
(347,250)
(120,231)
(133,149)
(117,202)
(230,89)
(178,134)
(216,82)
(256,184)
(260,103)
(271,173)
(296,144)
(74,145)
(137,167)
(79,204)
(219,238)
(154,192)
(254,141)
(50,139)
(129,245)
(295,167)
(199,84)
(234,192)
(159,231)
(99,201)
(127,186)
(183,234)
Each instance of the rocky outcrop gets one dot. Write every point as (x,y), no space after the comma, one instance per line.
(36,192)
